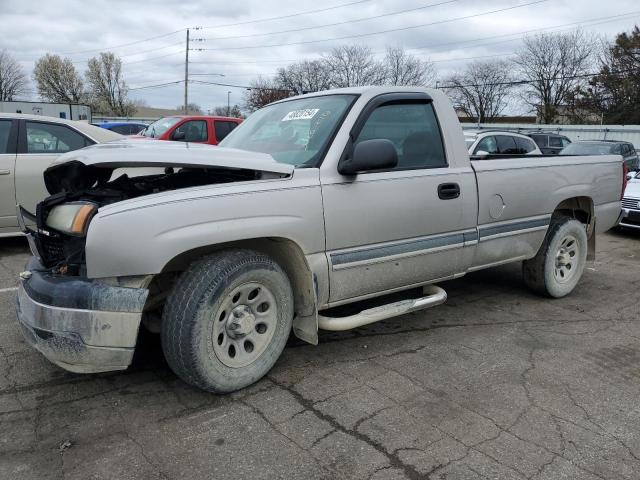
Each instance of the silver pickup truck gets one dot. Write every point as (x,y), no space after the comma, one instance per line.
(314,202)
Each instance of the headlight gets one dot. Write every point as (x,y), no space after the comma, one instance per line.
(71,218)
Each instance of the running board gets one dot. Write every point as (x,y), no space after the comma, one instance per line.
(434,295)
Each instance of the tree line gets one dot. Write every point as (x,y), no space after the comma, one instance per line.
(569,74)
(57,80)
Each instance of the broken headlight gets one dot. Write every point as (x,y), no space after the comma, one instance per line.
(71,218)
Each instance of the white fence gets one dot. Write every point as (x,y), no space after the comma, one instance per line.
(627,133)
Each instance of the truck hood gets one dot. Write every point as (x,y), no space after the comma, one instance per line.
(81,169)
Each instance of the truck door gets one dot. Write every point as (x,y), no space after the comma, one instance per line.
(8,134)
(388,230)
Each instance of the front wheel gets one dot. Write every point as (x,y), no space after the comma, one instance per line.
(227,320)
(558,265)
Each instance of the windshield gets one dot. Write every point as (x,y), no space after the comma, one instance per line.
(158,127)
(294,131)
(586,149)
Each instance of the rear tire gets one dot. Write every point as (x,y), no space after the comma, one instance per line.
(227,320)
(558,265)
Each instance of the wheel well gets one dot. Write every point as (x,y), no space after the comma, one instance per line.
(580,208)
(288,255)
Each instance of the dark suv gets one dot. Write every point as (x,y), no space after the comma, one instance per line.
(549,143)
(606,147)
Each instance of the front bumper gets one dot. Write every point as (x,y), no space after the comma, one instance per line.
(630,218)
(78,324)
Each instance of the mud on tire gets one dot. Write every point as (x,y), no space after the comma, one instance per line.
(227,320)
(558,265)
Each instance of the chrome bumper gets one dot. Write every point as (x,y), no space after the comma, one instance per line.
(83,340)
(629,218)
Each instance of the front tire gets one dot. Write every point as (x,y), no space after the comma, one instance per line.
(559,264)
(227,320)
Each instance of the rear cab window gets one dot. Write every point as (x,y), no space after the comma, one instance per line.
(5,135)
(525,145)
(506,145)
(223,128)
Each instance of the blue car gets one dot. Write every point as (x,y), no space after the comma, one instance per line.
(123,128)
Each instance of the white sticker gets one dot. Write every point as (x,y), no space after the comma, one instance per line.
(305,114)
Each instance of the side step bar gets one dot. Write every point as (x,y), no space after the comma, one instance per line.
(434,295)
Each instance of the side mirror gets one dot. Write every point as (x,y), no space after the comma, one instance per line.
(482,153)
(178,135)
(370,155)
(630,175)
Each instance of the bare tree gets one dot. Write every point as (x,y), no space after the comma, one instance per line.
(108,90)
(305,76)
(223,111)
(192,108)
(553,65)
(402,68)
(262,92)
(57,80)
(13,81)
(354,65)
(481,90)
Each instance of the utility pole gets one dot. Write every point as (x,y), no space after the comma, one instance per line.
(228,103)
(186,77)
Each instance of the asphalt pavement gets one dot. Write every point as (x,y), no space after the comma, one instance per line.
(497,383)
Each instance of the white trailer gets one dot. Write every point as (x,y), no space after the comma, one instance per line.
(69,111)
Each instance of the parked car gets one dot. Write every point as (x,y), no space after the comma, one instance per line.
(495,142)
(28,145)
(605,147)
(631,203)
(549,143)
(195,128)
(319,201)
(123,128)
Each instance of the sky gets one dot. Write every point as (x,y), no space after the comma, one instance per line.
(245,38)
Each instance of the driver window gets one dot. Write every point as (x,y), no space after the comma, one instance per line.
(193,130)
(413,130)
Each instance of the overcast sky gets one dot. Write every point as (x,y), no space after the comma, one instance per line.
(80,29)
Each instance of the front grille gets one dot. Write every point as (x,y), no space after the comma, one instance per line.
(631,203)
(51,249)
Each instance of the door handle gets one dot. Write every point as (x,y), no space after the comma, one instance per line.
(448,191)
(5,172)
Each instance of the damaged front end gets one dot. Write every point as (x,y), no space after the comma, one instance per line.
(91,324)
(78,191)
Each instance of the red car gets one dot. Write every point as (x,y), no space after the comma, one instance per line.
(191,128)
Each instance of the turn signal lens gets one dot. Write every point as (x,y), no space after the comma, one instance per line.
(71,218)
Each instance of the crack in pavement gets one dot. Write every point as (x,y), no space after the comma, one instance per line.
(393,459)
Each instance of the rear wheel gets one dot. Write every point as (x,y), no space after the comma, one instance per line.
(227,320)
(558,265)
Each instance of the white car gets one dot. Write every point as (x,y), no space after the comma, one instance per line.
(496,142)
(631,203)
(28,145)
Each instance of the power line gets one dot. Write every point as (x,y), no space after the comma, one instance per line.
(524,32)
(524,82)
(378,32)
(166,84)
(362,19)
(286,16)
(592,21)
(124,44)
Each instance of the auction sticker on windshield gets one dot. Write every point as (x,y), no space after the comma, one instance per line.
(305,114)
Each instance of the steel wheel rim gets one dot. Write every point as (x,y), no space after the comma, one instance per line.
(566,261)
(244,324)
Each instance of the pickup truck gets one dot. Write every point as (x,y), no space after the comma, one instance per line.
(332,199)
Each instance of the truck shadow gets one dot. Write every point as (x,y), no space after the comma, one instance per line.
(478,286)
